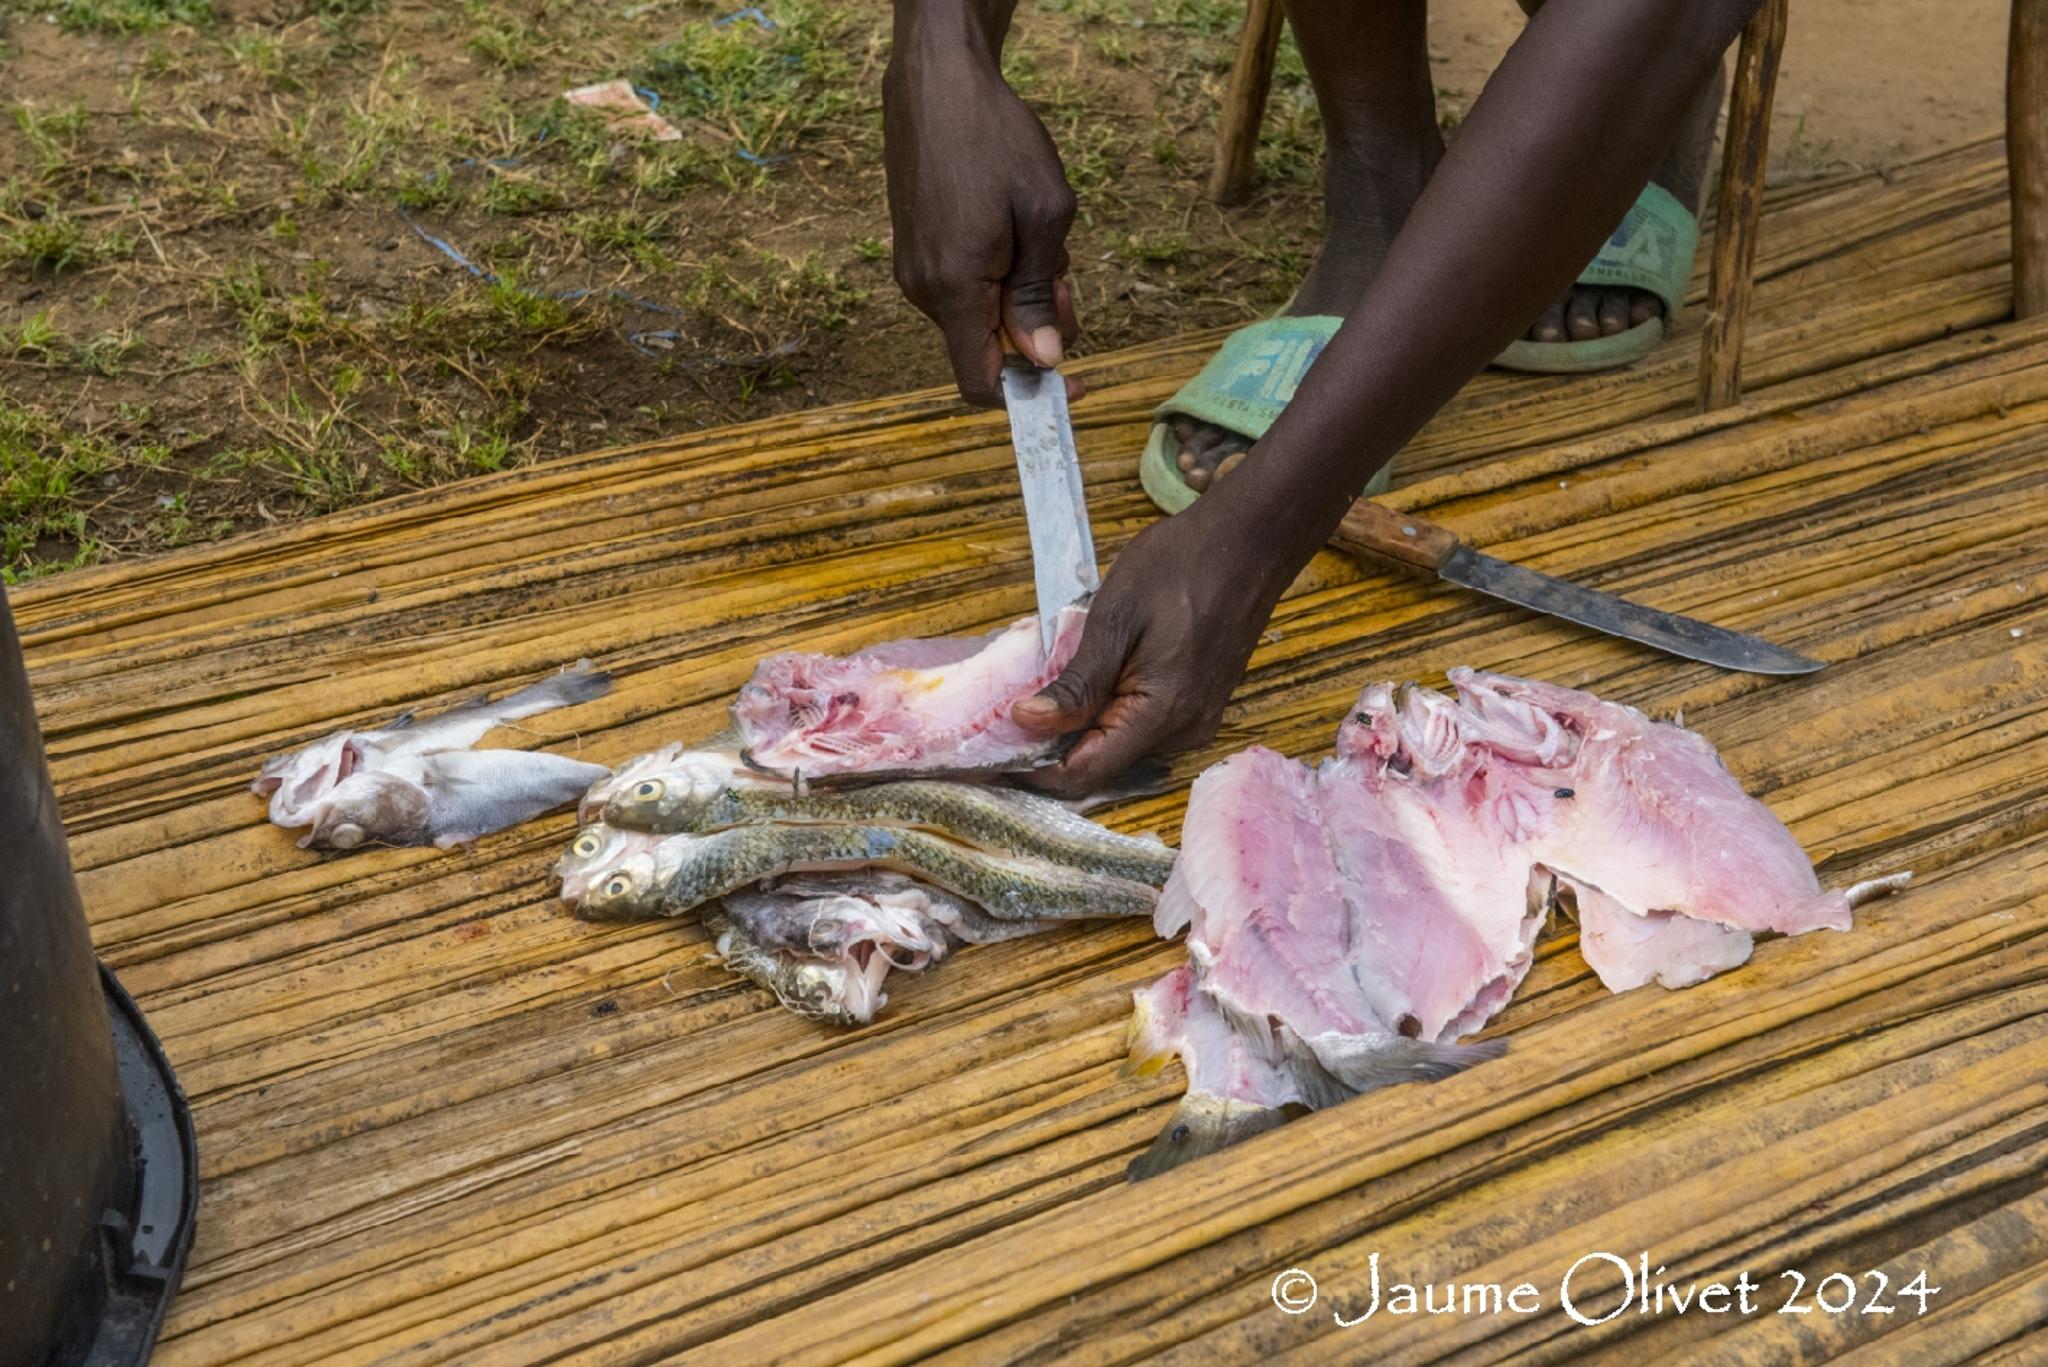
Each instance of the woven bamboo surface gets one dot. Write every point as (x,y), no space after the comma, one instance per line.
(441,1120)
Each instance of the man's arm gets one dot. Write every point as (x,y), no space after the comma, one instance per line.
(1554,151)
(979,203)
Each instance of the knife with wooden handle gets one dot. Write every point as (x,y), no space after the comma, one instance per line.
(1378,532)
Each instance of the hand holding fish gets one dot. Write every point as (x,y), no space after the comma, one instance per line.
(1166,643)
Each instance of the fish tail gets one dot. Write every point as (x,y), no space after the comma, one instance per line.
(1202,1125)
(1399,1059)
(579,682)
(1877,887)
(1152,1038)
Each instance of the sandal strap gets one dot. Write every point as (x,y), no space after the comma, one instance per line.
(1252,376)
(1652,250)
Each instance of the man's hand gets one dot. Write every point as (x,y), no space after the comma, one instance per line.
(980,206)
(1166,644)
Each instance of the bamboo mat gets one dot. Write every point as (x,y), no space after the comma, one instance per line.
(441,1120)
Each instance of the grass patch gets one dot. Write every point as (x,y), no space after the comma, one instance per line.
(57,242)
(43,469)
(508,44)
(1155,248)
(767,88)
(116,16)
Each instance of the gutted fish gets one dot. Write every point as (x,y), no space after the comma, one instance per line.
(1236,1089)
(1349,924)
(682,872)
(445,797)
(824,944)
(1348,946)
(700,792)
(1640,811)
(419,781)
(906,707)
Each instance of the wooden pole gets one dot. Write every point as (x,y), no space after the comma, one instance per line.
(1740,204)
(1251,80)
(2026,151)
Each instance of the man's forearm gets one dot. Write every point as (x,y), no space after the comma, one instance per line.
(1554,150)
(927,28)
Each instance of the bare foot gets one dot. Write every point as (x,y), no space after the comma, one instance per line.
(1589,311)
(1369,64)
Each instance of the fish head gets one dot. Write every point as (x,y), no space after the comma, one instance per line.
(629,889)
(842,993)
(294,782)
(369,806)
(592,806)
(594,853)
(674,795)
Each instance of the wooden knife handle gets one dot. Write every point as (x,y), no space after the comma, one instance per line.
(1378,531)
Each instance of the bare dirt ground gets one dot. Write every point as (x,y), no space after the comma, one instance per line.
(263,258)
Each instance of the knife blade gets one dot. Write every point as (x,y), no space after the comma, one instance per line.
(1063,567)
(1374,530)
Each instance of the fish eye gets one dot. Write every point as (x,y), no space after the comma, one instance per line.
(346,836)
(647,790)
(618,885)
(587,844)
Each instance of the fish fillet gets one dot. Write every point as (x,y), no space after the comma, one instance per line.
(1348,924)
(908,707)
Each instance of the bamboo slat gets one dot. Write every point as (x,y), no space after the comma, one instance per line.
(443,1121)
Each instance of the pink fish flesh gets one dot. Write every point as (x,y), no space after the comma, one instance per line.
(1349,924)
(906,707)
(823,944)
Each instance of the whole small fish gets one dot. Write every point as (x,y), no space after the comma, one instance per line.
(680,873)
(418,782)
(700,792)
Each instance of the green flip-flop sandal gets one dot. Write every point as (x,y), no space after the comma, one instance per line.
(1243,388)
(1652,251)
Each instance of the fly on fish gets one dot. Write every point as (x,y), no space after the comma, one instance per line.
(1350,924)
(422,782)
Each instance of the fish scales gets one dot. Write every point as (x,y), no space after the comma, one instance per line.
(1002,820)
(691,870)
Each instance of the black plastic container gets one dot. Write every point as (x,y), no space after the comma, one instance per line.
(98,1169)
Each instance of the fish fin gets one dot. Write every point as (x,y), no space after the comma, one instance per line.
(1315,1083)
(1202,1125)
(1146,778)
(1870,888)
(1392,1059)
(579,683)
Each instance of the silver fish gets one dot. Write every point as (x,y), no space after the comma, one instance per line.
(824,946)
(446,797)
(682,872)
(415,782)
(698,793)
